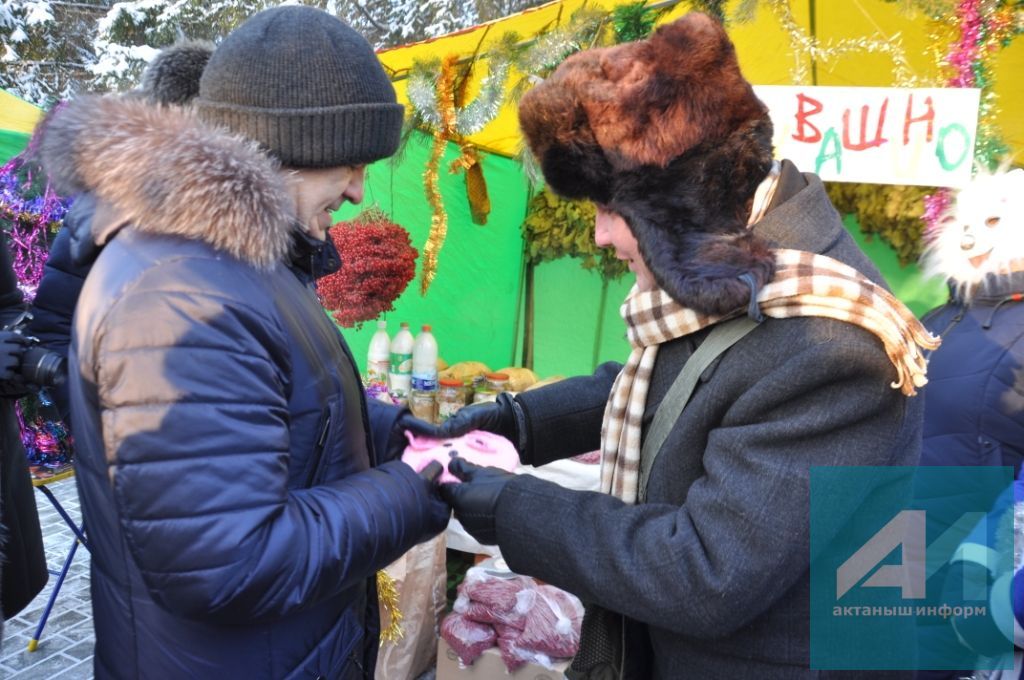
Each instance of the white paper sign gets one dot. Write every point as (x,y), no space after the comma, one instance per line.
(881,135)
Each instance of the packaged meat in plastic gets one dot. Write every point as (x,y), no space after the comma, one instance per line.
(514,657)
(467,638)
(553,619)
(530,623)
(487,597)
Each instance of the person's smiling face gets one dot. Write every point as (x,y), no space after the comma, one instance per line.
(611,231)
(319,192)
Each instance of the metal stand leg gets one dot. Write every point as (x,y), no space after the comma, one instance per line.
(33,644)
(79,530)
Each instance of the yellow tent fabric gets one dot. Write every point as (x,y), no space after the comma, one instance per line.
(17,115)
(763,47)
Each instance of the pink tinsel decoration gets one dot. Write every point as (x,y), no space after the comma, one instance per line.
(935,206)
(967,50)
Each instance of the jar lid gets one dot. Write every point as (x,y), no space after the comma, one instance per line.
(497,376)
(450,382)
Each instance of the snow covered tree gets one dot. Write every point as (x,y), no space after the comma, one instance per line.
(51,48)
(131,32)
(46,46)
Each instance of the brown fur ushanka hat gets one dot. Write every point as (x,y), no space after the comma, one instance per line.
(667,133)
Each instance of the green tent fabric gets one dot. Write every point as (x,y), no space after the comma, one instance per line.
(908,284)
(473,302)
(11,144)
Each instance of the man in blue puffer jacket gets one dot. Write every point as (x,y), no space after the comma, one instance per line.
(171,78)
(225,464)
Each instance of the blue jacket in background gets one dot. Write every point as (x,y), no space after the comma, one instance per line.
(974,401)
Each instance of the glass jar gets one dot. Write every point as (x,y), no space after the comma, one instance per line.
(497,382)
(451,396)
(421,403)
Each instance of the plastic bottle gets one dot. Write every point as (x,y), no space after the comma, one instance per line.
(424,362)
(400,371)
(378,356)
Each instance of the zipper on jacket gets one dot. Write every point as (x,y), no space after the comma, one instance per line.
(957,318)
(318,451)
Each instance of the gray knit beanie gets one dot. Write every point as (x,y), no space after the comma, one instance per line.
(305,86)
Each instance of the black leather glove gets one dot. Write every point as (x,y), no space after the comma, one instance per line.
(397,440)
(498,417)
(475,500)
(12,348)
(439,512)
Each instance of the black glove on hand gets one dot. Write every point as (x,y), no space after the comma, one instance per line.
(476,499)
(498,417)
(12,347)
(397,440)
(439,511)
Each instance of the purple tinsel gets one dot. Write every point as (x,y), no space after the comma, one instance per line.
(935,206)
(33,220)
(48,444)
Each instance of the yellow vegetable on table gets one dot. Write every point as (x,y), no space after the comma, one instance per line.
(519,379)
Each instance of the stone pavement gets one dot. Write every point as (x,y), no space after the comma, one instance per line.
(66,646)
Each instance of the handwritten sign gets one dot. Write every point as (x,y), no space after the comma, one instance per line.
(881,135)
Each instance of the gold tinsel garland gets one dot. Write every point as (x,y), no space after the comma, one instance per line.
(806,48)
(431,182)
(387,594)
(438,105)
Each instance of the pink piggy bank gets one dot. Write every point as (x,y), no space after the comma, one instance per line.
(479,447)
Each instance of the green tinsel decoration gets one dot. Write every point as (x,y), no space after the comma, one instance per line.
(556,227)
(633,22)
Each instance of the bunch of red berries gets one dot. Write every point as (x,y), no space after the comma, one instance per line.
(377,263)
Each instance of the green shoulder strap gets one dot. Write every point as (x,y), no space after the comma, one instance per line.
(723,336)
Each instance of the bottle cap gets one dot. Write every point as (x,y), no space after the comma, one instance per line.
(404,324)
(450,382)
(382,325)
(426,328)
(497,376)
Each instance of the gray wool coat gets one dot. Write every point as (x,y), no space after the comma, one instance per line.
(712,572)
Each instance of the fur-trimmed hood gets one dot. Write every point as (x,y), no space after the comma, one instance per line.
(165,172)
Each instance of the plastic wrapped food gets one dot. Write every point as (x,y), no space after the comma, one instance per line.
(553,619)
(482,613)
(486,598)
(515,657)
(528,622)
(467,638)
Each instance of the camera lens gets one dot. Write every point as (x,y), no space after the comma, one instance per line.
(43,367)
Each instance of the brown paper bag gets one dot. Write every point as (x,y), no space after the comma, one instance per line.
(420,579)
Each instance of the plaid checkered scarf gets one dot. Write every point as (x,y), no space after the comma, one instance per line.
(805,284)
